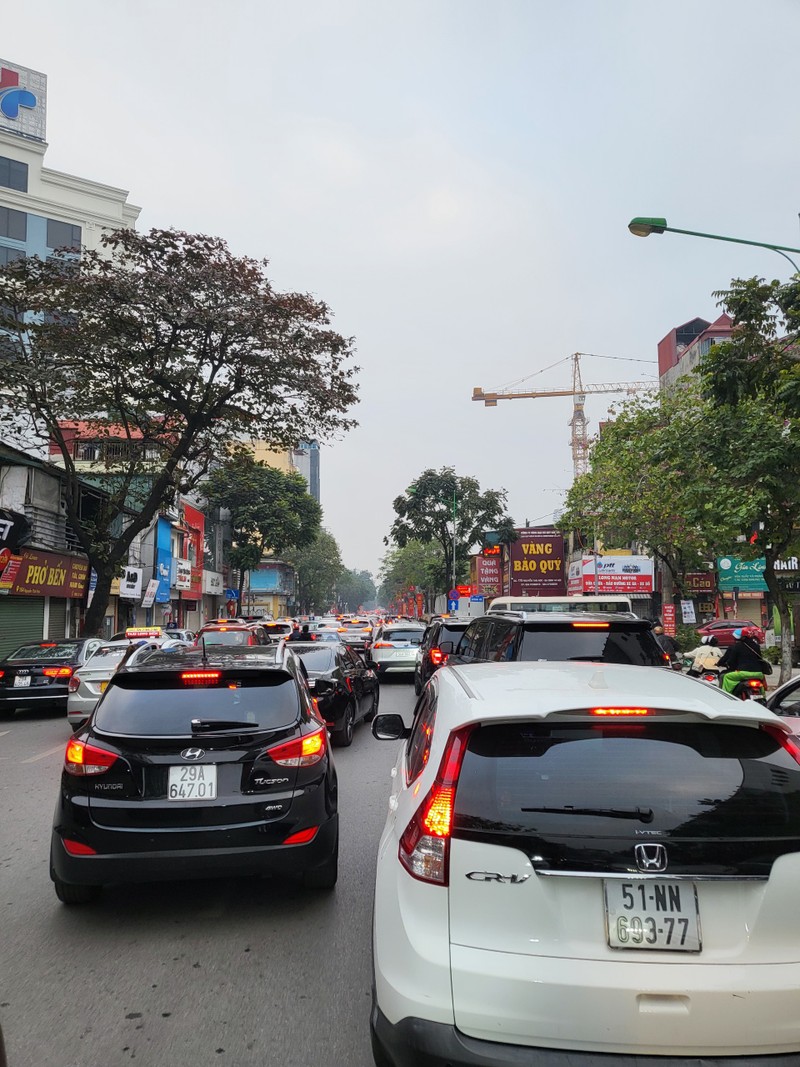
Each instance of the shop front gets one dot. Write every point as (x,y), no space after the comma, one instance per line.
(41,594)
(213,595)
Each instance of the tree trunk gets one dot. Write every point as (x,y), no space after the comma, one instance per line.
(96,612)
(781,602)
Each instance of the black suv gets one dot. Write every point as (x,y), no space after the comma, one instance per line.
(553,636)
(196,765)
(431,656)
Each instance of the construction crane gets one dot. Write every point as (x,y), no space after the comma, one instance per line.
(579,439)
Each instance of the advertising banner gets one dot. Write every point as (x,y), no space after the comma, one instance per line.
(488,575)
(668,613)
(183,574)
(537,563)
(615,574)
(163,560)
(213,583)
(130,584)
(699,582)
(746,576)
(687,612)
(195,549)
(150,593)
(34,573)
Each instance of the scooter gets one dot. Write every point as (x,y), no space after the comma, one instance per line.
(747,688)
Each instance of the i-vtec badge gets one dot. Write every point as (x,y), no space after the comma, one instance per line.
(493,876)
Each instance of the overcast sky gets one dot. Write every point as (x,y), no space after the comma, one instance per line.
(455,178)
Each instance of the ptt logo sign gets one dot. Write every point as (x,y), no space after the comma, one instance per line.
(23,95)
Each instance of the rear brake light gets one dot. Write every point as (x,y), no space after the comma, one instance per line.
(2,673)
(200,677)
(76,848)
(302,837)
(302,751)
(342,630)
(82,759)
(383,644)
(57,672)
(437,657)
(619,712)
(425,845)
(755,683)
(785,738)
(48,644)
(74,684)
(590,625)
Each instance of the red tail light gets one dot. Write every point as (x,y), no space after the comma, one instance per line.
(590,625)
(302,837)
(425,845)
(785,738)
(2,673)
(200,677)
(57,672)
(302,751)
(74,684)
(76,848)
(755,683)
(83,759)
(383,644)
(437,657)
(618,712)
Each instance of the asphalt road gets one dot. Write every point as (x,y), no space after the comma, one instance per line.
(237,972)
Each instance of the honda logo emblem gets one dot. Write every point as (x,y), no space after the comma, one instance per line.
(651,858)
(193,753)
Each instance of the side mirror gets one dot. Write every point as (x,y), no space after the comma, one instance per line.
(390,728)
(446,648)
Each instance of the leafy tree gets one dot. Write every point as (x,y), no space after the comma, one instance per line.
(639,490)
(269,509)
(318,567)
(416,564)
(355,589)
(168,347)
(753,383)
(440,507)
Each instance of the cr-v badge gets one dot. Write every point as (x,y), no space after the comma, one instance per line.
(492,876)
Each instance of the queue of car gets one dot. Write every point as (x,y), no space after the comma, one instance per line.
(585,856)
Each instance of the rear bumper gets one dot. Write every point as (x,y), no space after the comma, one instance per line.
(177,864)
(390,666)
(416,1042)
(44,696)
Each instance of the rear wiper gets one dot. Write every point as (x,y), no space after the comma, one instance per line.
(642,814)
(220,724)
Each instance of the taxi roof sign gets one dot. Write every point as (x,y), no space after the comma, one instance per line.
(144,631)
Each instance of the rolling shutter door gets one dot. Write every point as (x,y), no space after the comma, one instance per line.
(21,620)
(57,626)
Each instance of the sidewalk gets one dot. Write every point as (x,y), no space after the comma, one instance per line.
(772,681)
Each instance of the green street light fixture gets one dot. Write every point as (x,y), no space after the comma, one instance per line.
(643,227)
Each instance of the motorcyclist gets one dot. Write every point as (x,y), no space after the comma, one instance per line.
(743,660)
(668,644)
(706,656)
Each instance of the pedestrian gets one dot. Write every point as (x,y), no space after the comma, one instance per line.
(668,644)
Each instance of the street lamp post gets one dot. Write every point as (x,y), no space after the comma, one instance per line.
(643,227)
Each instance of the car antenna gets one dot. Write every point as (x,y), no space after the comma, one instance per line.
(203,643)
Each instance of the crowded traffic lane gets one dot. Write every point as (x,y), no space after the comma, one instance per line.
(237,971)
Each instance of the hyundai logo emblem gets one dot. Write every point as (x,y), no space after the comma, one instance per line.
(651,858)
(193,753)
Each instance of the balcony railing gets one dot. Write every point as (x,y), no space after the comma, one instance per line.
(50,530)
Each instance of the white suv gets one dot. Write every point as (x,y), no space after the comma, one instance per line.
(584,859)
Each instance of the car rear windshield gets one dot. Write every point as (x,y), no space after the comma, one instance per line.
(225,637)
(414,637)
(161,704)
(692,780)
(281,627)
(611,646)
(317,659)
(452,633)
(46,651)
(104,657)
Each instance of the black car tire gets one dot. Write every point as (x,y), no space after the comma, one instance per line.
(373,711)
(343,737)
(324,877)
(417,684)
(75,894)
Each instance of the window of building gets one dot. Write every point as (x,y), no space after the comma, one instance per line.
(13,174)
(13,224)
(8,255)
(87,450)
(63,235)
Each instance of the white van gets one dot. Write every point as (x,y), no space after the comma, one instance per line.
(607,602)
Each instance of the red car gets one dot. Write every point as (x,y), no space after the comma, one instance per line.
(723,629)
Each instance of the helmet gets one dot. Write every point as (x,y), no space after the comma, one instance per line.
(709,640)
(751,632)
(737,635)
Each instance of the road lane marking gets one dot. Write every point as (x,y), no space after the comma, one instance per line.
(44,755)
(4,732)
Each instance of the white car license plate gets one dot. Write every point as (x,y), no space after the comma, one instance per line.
(652,914)
(193,783)
(22,680)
